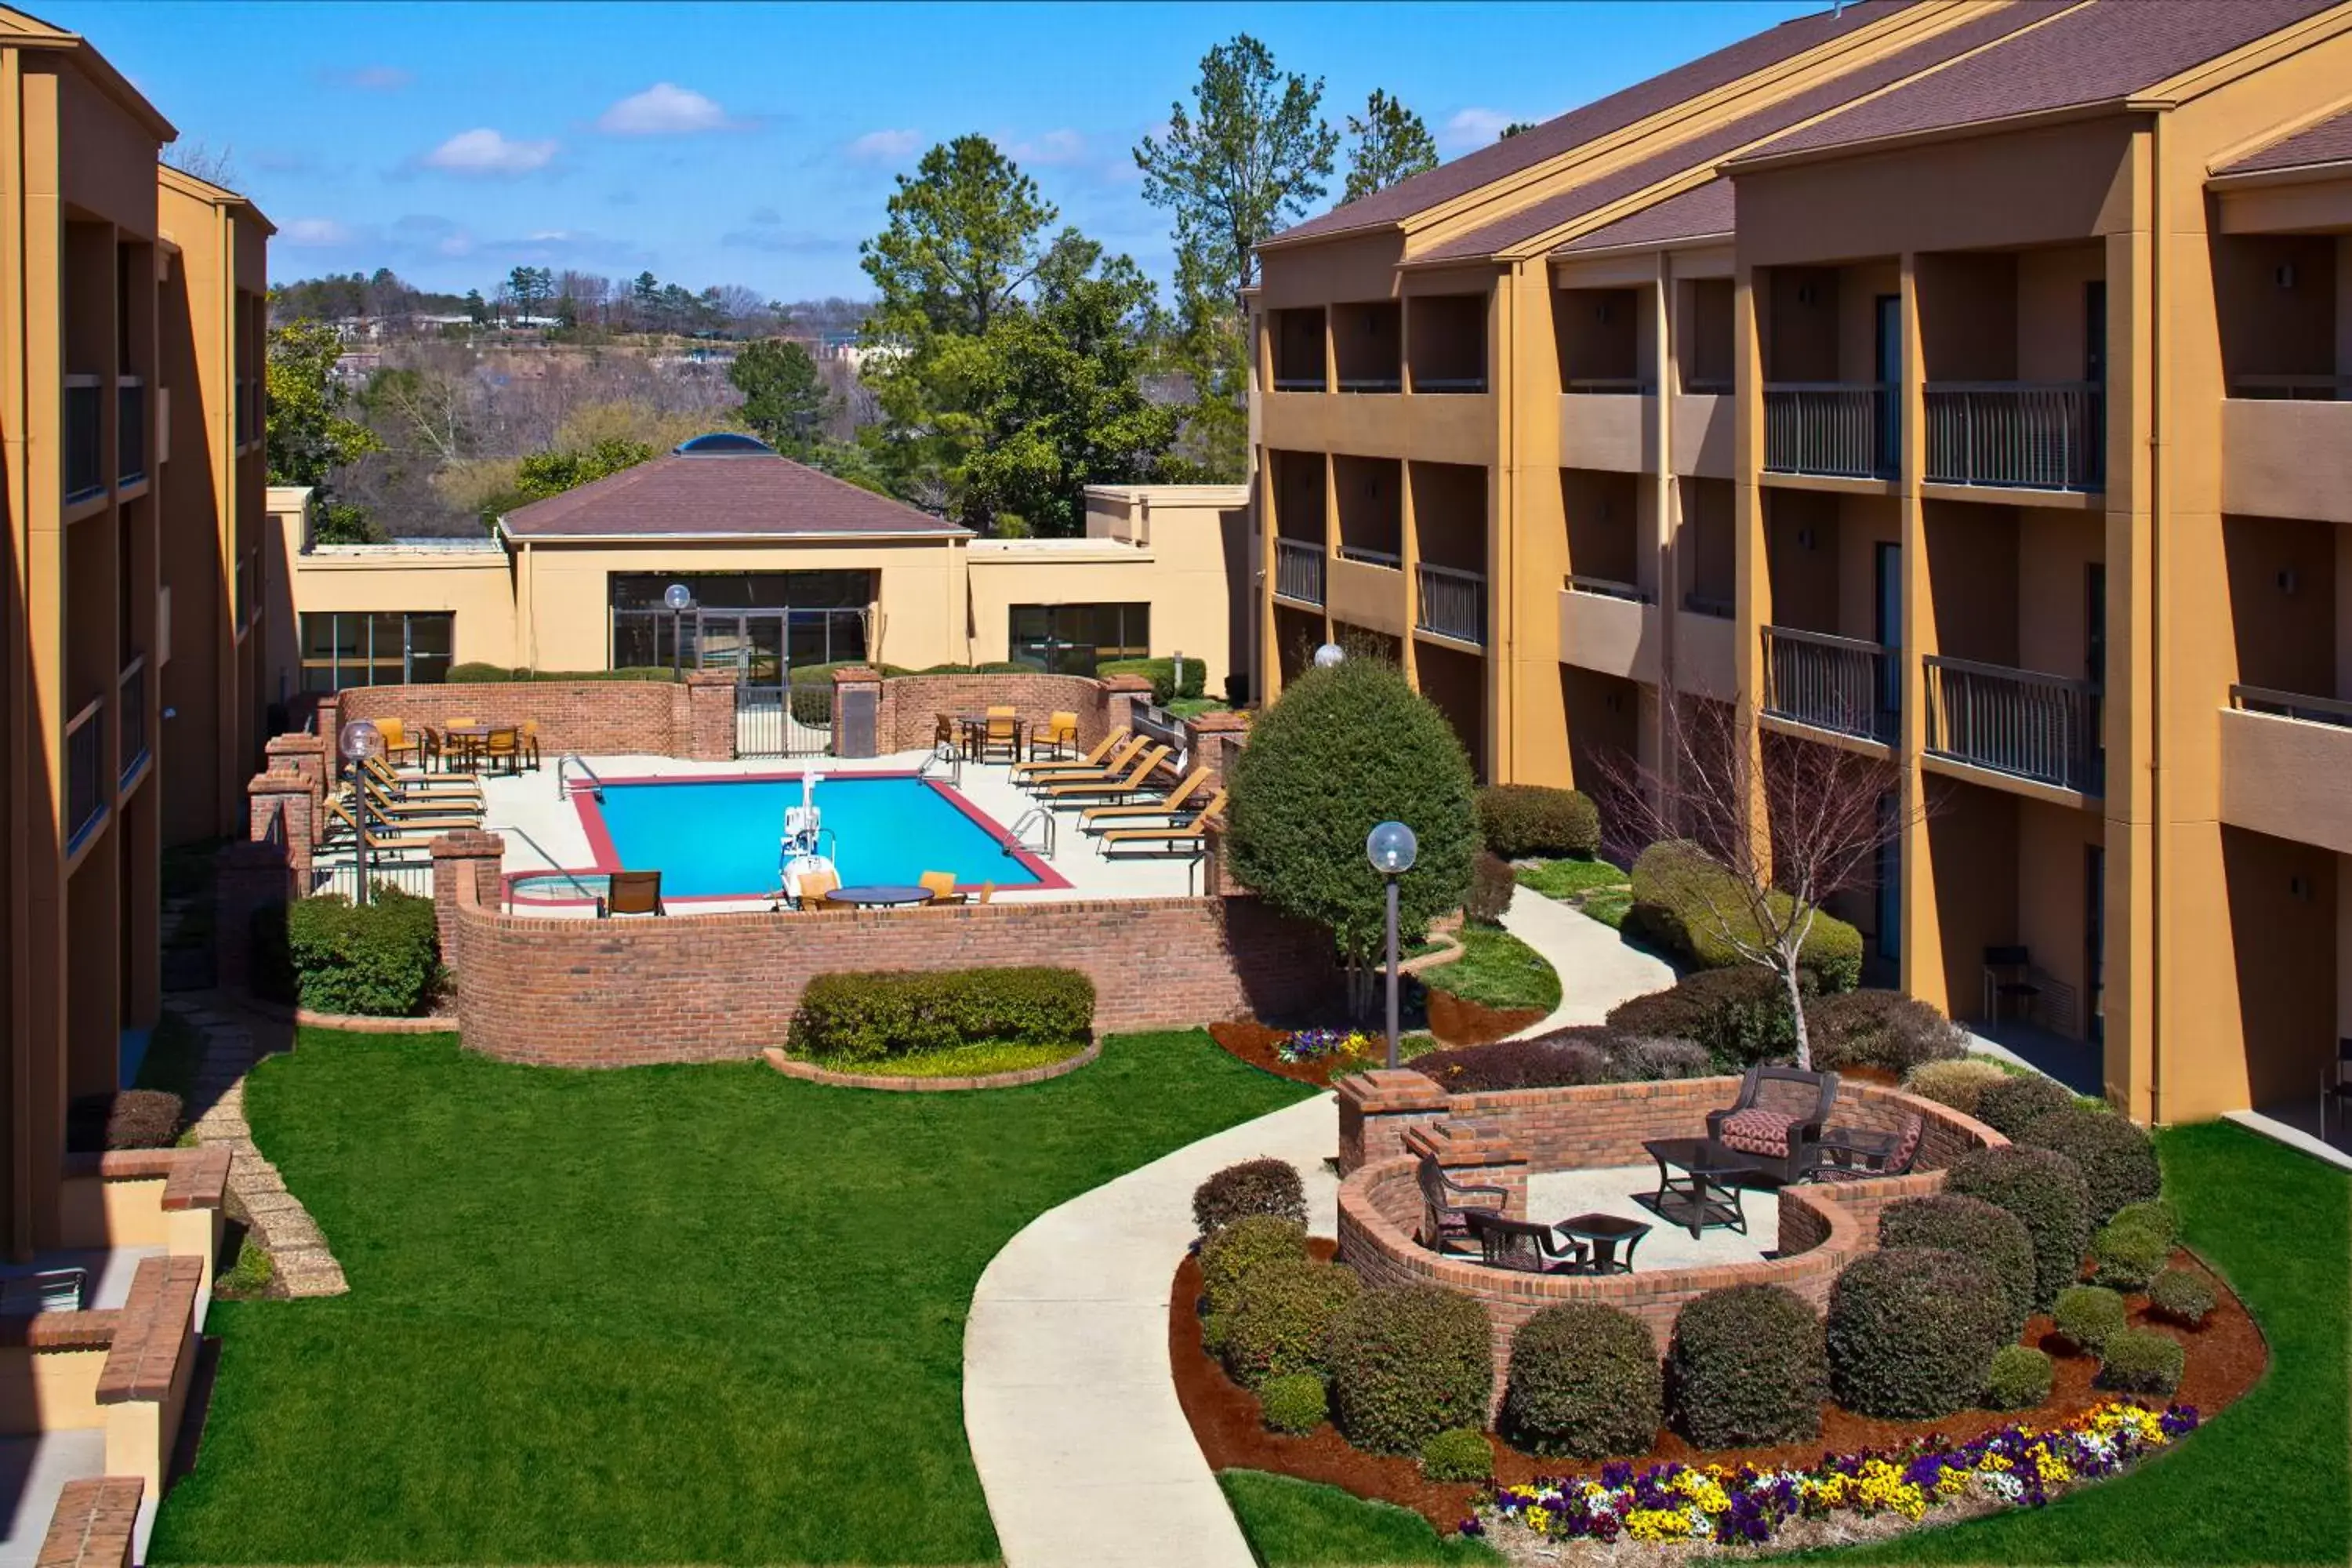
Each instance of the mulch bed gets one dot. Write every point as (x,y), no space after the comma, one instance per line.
(1255,1043)
(2225,1359)
(1458,1021)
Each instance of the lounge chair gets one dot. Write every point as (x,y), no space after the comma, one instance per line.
(394,808)
(406,787)
(631,894)
(1101,818)
(338,812)
(1114,764)
(1776,1123)
(1077,792)
(1093,759)
(1185,839)
(941,885)
(1447,1206)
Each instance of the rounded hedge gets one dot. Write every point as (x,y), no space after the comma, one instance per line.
(1584,1383)
(2088,1316)
(2019,1379)
(1958,1223)
(1877,1028)
(1912,1331)
(1518,820)
(1747,1365)
(1247,1244)
(1685,900)
(2126,1257)
(2181,1295)
(1462,1454)
(1740,1016)
(1407,1363)
(2142,1361)
(1285,1309)
(1958,1084)
(2046,1191)
(1293,1403)
(1253,1186)
(2019,1100)
(2154,1214)
(2117,1156)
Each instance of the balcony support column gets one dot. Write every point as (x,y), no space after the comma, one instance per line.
(1408,572)
(1751,557)
(1330,525)
(1922,968)
(1657,539)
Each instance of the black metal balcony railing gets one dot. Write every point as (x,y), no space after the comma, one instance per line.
(1368,555)
(1476,383)
(2293,388)
(131,715)
(1838,429)
(85,771)
(1829,682)
(2040,726)
(1372,382)
(2044,435)
(1708,605)
(1607,385)
(1453,603)
(1299,384)
(85,458)
(131,428)
(1298,570)
(2292,705)
(1608,588)
(1706,386)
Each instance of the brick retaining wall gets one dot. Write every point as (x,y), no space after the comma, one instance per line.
(911,703)
(693,718)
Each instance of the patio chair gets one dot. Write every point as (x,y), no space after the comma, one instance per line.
(1777,1122)
(397,741)
(1186,837)
(530,743)
(1102,818)
(1093,759)
(504,749)
(813,887)
(1447,1204)
(631,894)
(942,887)
(2336,1087)
(2009,978)
(1858,1154)
(1000,736)
(1079,791)
(943,731)
(1059,734)
(1523,1245)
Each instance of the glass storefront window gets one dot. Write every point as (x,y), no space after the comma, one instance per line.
(1073,639)
(386,648)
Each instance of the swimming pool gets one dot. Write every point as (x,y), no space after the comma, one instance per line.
(719,838)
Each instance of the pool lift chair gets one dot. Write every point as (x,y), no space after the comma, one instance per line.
(801,854)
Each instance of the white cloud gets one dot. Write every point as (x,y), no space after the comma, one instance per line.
(885,146)
(663,109)
(1062,146)
(1474,128)
(486,152)
(314,231)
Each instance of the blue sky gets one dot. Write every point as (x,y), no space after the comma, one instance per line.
(756,144)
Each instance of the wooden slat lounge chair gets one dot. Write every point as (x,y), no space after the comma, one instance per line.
(1093,759)
(448,787)
(1182,840)
(1076,793)
(631,894)
(1100,818)
(1121,761)
(337,811)
(457,813)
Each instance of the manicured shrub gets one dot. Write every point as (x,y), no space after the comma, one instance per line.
(1958,1084)
(2088,1316)
(1740,1017)
(1979,1229)
(2142,1361)
(1407,1363)
(1747,1365)
(382,959)
(869,1015)
(128,1119)
(1284,1311)
(1642,1058)
(2046,1191)
(2126,1256)
(2020,1378)
(1343,750)
(2117,1156)
(1676,890)
(1521,820)
(1491,887)
(1161,673)
(2010,1106)
(2151,1214)
(1249,1243)
(2181,1295)
(1462,1454)
(1584,1381)
(1582,1054)
(1253,1186)
(1883,1029)
(1215,1328)
(1293,1403)
(1912,1331)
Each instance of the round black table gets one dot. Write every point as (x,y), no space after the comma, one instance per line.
(880,894)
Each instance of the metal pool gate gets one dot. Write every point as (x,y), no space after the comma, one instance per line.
(781,720)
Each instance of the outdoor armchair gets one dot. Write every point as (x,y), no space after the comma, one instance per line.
(1447,1204)
(1776,1123)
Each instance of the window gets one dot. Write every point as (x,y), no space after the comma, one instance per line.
(1072,640)
(389,647)
(754,622)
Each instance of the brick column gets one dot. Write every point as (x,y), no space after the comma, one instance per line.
(467,857)
(857,728)
(248,876)
(1213,739)
(309,755)
(1378,1108)
(1121,695)
(710,715)
(1476,1153)
(283,809)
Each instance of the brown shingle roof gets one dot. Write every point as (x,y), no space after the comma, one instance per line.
(2098,54)
(747,495)
(1701,211)
(2329,141)
(1701,152)
(1600,118)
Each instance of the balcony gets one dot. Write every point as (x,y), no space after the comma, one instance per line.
(85,456)
(2284,758)
(2041,728)
(1609,626)
(1451,603)
(1834,683)
(1299,571)
(131,715)
(1846,430)
(86,792)
(1602,427)
(130,429)
(2284,457)
(1703,432)
(1706,653)
(2042,436)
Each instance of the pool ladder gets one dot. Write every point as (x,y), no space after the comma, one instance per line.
(1042,817)
(574,760)
(943,756)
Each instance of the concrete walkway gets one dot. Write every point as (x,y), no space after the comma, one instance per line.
(1597,968)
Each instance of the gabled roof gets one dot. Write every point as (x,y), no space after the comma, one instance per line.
(2329,141)
(22,29)
(1697,213)
(1603,116)
(736,495)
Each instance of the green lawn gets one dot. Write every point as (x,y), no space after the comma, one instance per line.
(1497,969)
(1595,887)
(1300,1524)
(690,1315)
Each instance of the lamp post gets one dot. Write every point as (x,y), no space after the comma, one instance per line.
(359,742)
(1329,654)
(680,599)
(1390,848)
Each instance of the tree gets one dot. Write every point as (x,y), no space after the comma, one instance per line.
(308,435)
(1771,829)
(962,239)
(544,474)
(204,160)
(784,397)
(1344,749)
(1516,128)
(478,308)
(1392,143)
(533,288)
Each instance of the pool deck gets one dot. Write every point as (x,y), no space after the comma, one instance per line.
(543,832)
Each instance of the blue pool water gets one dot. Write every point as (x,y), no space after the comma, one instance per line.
(721,836)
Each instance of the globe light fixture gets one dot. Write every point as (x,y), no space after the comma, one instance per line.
(1329,654)
(1391,848)
(680,599)
(362,739)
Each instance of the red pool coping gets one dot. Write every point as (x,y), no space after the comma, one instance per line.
(608,859)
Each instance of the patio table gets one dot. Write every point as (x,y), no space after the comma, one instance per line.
(975,730)
(1603,1233)
(879,896)
(1699,1185)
